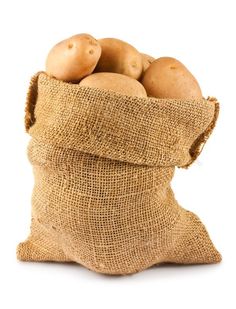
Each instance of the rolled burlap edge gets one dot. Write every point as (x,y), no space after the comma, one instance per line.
(162,132)
(200,142)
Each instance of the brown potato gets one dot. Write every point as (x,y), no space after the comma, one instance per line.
(119,57)
(168,78)
(74,58)
(147,60)
(116,82)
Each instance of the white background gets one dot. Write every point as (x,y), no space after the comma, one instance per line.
(199,33)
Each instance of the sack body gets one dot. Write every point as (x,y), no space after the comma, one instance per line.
(103,164)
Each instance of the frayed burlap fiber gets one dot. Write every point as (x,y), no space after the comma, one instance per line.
(102,164)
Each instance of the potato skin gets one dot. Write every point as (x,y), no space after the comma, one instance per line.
(119,57)
(116,82)
(74,58)
(167,77)
(147,60)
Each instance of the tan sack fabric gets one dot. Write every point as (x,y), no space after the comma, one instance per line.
(103,164)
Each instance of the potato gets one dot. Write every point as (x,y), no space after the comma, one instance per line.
(147,60)
(168,78)
(74,58)
(116,82)
(119,57)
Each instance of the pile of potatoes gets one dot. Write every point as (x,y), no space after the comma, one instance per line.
(115,65)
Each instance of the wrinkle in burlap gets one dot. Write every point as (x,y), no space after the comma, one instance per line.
(102,164)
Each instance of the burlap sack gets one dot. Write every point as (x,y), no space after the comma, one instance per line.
(103,163)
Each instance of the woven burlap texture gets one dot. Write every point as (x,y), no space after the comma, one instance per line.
(103,164)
